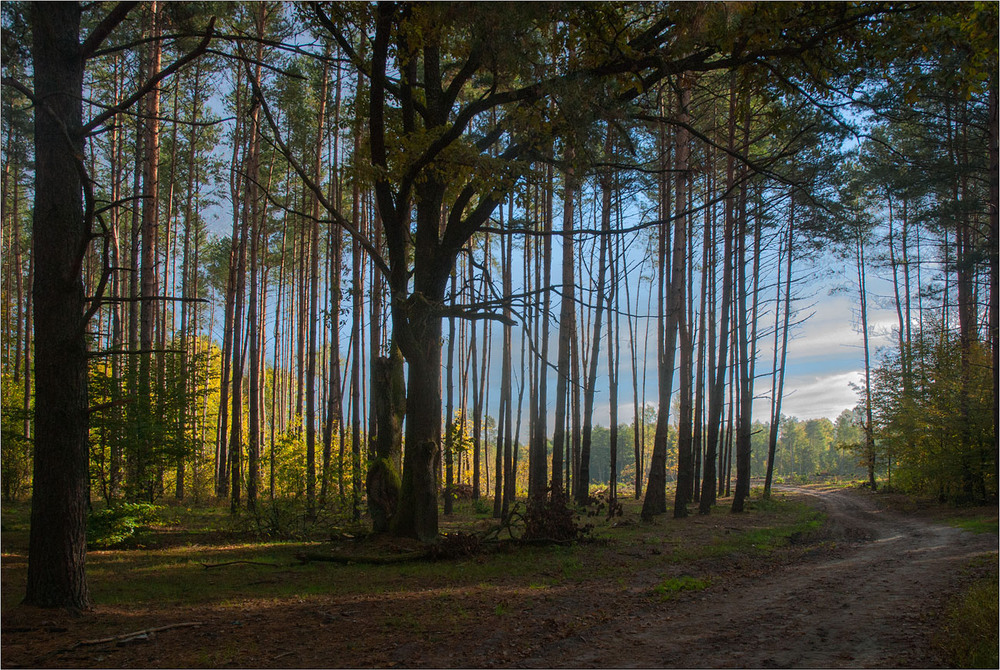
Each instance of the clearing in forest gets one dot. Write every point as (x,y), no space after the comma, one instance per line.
(818,576)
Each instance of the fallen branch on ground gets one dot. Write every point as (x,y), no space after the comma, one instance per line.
(220,565)
(373,560)
(134,634)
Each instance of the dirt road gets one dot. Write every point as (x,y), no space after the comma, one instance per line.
(865,604)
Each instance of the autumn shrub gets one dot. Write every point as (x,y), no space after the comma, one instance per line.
(15,447)
(114,525)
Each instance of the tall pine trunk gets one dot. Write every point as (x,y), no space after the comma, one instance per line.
(677,315)
(583,487)
(57,538)
(567,319)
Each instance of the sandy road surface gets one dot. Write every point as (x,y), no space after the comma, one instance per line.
(864,604)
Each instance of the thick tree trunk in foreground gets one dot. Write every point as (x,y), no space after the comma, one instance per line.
(57,544)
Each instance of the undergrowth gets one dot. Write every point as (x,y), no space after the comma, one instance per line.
(113,526)
(968,636)
(256,553)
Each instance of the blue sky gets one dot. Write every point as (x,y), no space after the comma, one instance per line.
(825,352)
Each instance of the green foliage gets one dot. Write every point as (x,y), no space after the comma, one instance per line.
(600,455)
(15,448)
(461,433)
(482,506)
(130,443)
(934,420)
(807,449)
(114,525)
(289,460)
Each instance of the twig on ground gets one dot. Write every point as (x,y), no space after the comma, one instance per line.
(374,560)
(134,634)
(220,565)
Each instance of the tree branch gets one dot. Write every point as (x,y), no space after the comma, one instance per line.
(104,28)
(312,185)
(151,83)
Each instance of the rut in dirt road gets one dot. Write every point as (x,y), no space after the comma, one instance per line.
(865,606)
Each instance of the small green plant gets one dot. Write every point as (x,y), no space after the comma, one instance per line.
(570,567)
(670,587)
(482,506)
(114,525)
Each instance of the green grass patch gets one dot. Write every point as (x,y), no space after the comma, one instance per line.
(668,588)
(778,522)
(975,524)
(166,566)
(968,636)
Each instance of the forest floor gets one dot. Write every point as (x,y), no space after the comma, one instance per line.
(818,576)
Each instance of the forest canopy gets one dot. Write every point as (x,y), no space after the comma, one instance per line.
(370,256)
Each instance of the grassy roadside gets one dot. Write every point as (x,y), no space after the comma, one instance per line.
(968,637)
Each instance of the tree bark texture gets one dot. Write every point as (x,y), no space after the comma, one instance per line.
(57,543)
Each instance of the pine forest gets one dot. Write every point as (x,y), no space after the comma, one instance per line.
(425,276)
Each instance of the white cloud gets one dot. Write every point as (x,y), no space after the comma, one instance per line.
(833,333)
(811,397)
